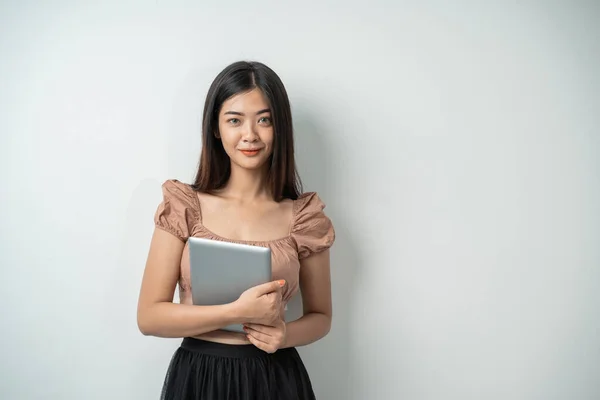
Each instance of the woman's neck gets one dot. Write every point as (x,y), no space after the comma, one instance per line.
(246,185)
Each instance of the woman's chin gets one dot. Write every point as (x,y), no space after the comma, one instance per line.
(251,164)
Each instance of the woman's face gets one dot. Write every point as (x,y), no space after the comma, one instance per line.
(246,129)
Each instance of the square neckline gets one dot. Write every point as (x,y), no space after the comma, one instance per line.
(215,235)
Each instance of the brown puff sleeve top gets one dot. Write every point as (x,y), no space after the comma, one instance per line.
(311,232)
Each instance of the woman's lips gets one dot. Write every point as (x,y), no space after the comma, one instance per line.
(250,153)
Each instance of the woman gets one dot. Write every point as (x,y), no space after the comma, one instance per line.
(247,191)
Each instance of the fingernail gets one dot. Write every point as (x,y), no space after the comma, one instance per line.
(281,282)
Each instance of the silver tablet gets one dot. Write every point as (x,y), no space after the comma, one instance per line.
(221,271)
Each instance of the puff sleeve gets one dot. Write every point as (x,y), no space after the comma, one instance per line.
(313,231)
(178,212)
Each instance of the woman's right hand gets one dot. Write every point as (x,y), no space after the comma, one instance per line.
(261,304)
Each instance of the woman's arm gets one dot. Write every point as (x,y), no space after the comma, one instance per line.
(315,287)
(157,315)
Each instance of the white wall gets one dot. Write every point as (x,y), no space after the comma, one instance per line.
(455,145)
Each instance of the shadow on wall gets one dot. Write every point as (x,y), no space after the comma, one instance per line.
(328,361)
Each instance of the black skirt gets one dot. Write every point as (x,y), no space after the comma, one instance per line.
(203,370)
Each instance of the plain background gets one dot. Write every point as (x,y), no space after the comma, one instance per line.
(455,144)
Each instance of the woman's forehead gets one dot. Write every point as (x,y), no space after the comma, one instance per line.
(250,101)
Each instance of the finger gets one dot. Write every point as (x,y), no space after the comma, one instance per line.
(277,296)
(269,287)
(261,339)
(266,328)
(260,328)
(259,332)
(261,345)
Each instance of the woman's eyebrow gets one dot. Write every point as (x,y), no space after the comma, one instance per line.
(266,110)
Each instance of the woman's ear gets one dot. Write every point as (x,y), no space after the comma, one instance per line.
(217,134)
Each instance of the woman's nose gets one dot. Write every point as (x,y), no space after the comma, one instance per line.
(250,134)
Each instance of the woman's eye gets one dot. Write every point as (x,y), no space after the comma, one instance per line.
(265,120)
(233,121)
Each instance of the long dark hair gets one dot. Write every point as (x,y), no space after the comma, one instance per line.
(214,168)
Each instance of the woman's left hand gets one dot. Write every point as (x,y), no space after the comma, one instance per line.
(266,338)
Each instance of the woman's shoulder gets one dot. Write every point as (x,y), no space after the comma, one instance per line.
(176,191)
(178,212)
(174,187)
(308,202)
(313,229)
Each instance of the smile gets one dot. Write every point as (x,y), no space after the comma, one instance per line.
(250,153)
